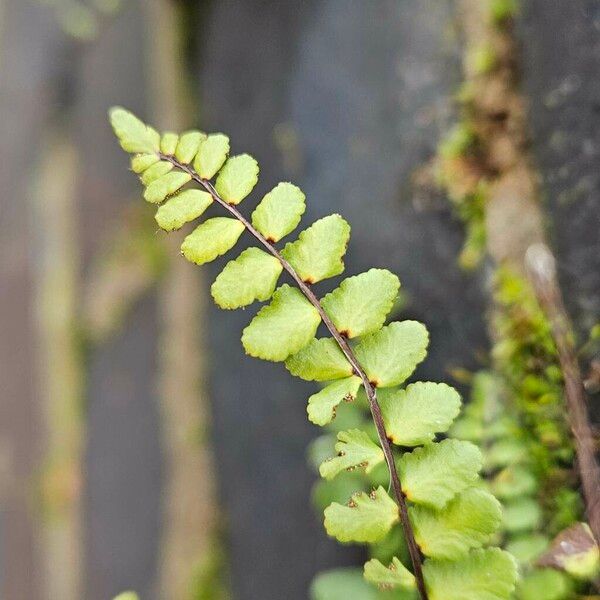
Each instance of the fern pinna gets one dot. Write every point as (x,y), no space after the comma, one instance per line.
(446,517)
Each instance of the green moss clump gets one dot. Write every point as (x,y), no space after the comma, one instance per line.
(459,140)
(460,176)
(482,59)
(502,11)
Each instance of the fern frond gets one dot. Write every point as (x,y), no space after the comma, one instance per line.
(435,499)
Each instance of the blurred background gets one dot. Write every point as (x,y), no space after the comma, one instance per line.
(139,448)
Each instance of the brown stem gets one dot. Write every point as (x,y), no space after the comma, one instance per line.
(413,548)
(542,271)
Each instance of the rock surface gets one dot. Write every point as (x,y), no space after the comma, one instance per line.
(561,62)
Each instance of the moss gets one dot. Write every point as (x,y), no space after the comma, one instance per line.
(512,459)
(459,140)
(468,160)
(482,59)
(517,412)
(472,212)
(210,578)
(458,173)
(526,357)
(502,11)
(516,415)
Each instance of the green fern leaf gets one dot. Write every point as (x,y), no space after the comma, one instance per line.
(413,416)
(361,303)
(366,518)
(211,155)
(391,354)
(322,405)
(337,490)
(251,276)
(168,143)
(141,162)
(321,360)
(545,584)
(467,428)
(279,212)
(527,547)
(319,450)
(514,482)
(355,449)
(166,185)
(505,452)
(188,146)
(523,514)
(317,253)
(134,136)
(182,208)
(488,574)
(211,239)
(344,584)
(283,327)
(468,521)
(237,178)
(434,474)
(155,171)
(394,576)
